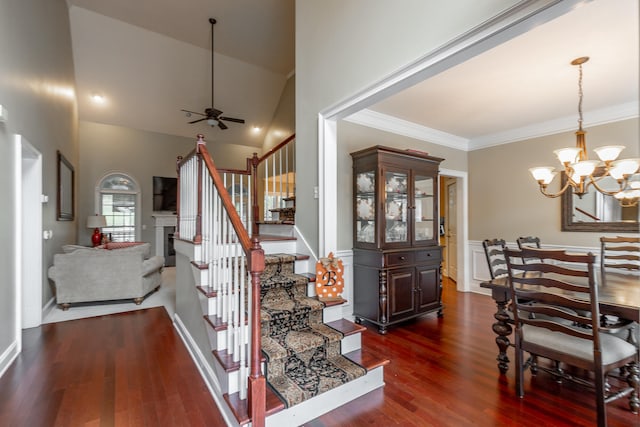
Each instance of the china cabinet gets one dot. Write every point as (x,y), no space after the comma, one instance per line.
(397,260)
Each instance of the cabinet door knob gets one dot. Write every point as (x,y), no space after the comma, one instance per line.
(402,258)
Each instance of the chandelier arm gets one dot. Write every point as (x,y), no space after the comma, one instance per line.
(594,182)
(543,190)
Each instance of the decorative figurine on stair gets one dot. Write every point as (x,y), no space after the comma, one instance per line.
(329,278)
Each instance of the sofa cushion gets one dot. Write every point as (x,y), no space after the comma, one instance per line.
(133,247)
(67,249)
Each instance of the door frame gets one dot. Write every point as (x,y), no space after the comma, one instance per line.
(28,229)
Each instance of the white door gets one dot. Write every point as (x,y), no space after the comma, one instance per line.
(452,231)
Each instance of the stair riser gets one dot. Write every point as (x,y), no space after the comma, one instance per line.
(279,246)
(285,230)
(351,343)
(332,313)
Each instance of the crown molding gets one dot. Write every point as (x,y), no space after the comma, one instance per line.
(398,126)
(602,116)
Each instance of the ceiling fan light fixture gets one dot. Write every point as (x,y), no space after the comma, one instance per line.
(212,122)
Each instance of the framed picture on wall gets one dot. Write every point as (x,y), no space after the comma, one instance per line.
(65,188)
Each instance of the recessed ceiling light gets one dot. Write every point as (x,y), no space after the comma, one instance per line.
(97,98)
(256,129)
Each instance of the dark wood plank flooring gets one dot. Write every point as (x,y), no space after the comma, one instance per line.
(443,372)
(127,369)
(132,369)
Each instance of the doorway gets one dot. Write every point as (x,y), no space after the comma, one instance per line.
(29,226)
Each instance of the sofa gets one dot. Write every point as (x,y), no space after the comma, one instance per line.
(110,272)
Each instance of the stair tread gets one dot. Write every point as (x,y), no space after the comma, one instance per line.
(345,326)
(240,410)
(310,276)
(215,322)
(367,359)
(332,303)
(200,265)
(227,362)
(207,293)
(300,257)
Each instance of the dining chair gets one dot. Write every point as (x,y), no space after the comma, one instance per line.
(494,252)
(528,241)
(619,253)
(562,286)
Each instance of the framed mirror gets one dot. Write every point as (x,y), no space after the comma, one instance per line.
(597,212)
(65,194)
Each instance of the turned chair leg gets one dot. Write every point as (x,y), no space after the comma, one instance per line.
(633,379)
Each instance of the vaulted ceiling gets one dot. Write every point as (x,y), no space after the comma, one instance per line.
(151,58)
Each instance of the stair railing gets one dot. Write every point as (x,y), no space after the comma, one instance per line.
(278,169)
(272,175)
(207,216)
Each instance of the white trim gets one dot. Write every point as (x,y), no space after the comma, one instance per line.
(7,358)
(602,116)
(17,241)
(137,192)
(514,21)
(206,372)
(391,124)
(387,123)
(30,229)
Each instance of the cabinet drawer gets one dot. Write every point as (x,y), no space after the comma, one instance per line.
(398,258)
(434,255)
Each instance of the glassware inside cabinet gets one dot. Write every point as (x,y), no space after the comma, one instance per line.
(395,207)
(365,207)
(424,213)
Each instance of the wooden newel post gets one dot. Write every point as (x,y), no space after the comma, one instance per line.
(177,233)
(198,237)
(255,207)
(257,382)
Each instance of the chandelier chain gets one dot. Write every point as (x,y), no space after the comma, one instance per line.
(580,94)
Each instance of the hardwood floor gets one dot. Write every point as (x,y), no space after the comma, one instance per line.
(132,369)
(128,369)
(443,372)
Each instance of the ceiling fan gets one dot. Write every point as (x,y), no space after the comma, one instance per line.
(212,115)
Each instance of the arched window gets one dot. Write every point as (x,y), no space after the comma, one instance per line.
(118,199)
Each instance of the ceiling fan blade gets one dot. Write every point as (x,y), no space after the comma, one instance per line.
(231,119)
(199,120)
(222,125)
(192,112)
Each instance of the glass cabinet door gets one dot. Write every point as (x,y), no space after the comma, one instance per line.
(424,226)
(365,207)
(395,207)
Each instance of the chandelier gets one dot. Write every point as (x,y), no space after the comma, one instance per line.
(581,173)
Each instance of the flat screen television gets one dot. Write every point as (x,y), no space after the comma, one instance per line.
(165,191)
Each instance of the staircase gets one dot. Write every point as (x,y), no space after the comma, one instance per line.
(310,356)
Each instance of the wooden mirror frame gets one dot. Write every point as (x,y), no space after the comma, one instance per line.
(65,190)
(600,227)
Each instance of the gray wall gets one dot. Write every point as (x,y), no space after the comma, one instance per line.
(367,41)
(283,123)
(141,155)
(37,88)
(505,201)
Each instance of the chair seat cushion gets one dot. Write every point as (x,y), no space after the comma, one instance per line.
(613,348)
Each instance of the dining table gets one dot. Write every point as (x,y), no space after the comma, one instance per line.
(618,295)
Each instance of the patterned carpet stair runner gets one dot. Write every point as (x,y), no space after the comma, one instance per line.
(303,354)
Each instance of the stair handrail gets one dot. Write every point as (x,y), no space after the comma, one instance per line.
(255,263)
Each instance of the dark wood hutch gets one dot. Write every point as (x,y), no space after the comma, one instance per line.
(397,259)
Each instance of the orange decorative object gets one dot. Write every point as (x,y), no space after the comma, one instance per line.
(329,278)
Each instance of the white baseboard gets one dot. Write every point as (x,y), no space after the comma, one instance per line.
(206,372)
(50,305)
(7,357)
